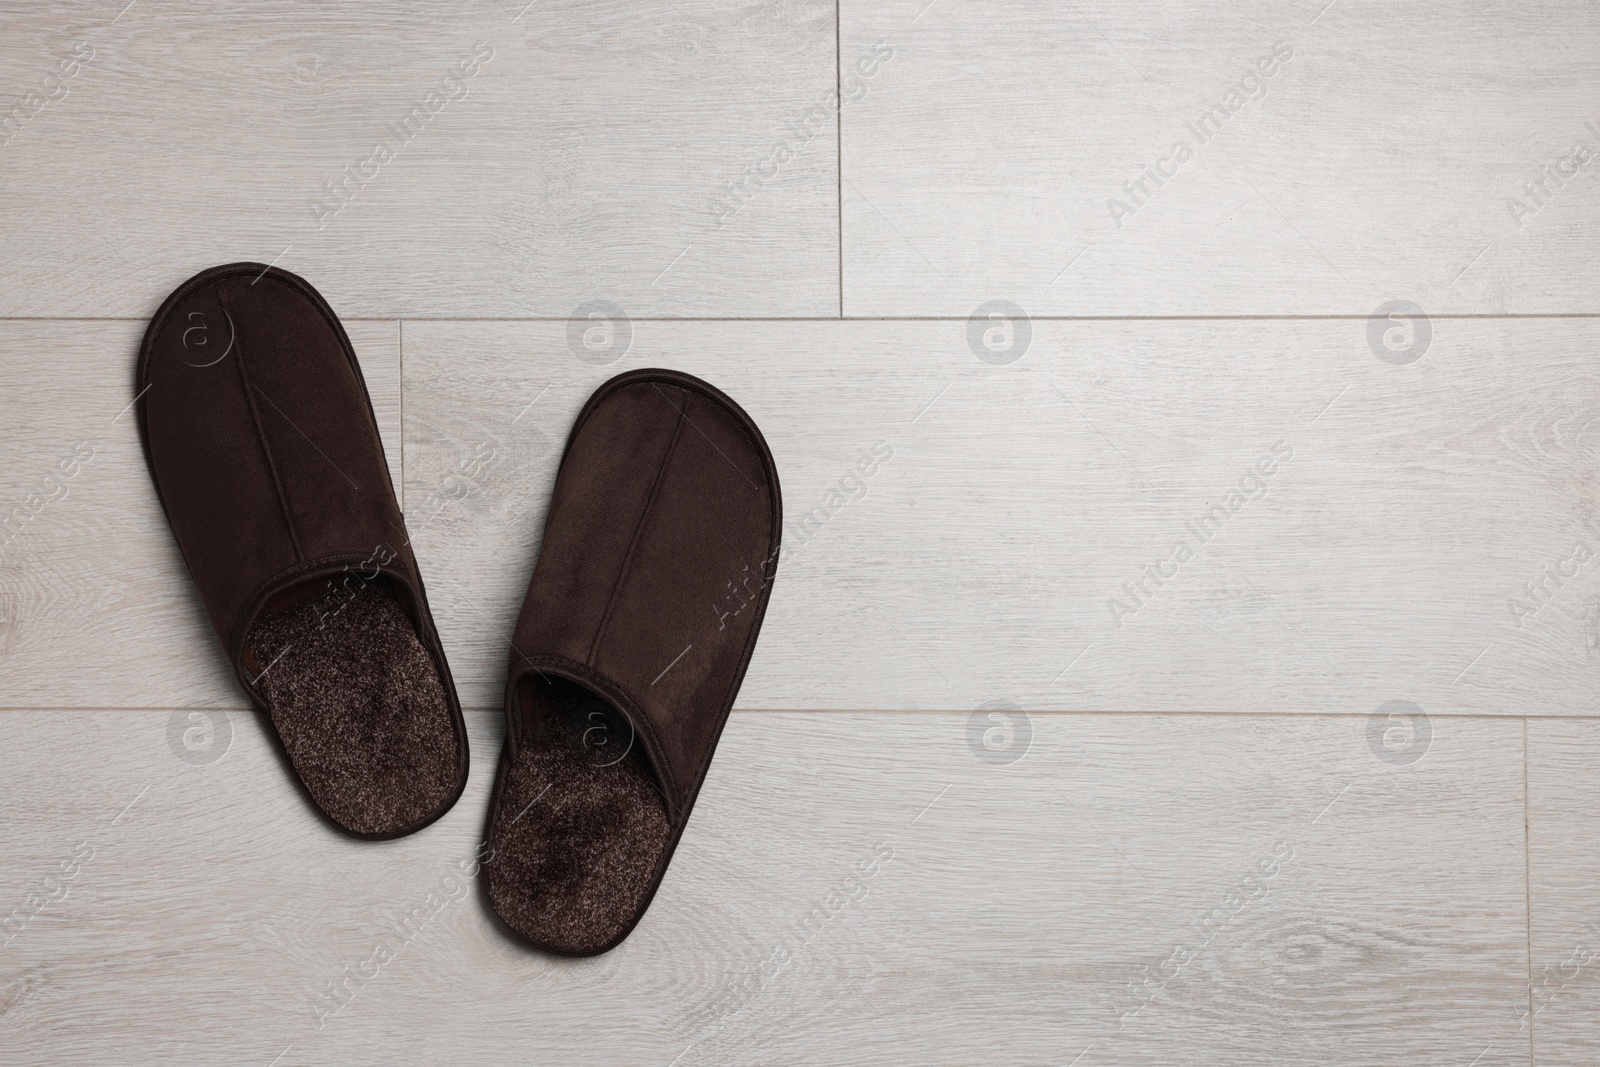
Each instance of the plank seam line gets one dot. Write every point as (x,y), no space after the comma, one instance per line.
(1505,317)
(493,709)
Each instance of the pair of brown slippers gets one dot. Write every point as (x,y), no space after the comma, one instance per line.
(626,656)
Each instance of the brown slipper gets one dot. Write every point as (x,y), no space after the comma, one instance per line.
(265,454)
(659,550)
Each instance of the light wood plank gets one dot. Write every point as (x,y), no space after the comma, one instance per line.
(1564,891)
(981,162)
(584,159)
(982,559)
(96,605)
(999,911)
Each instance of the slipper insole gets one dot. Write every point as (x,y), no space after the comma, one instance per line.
(358,705)
(580,824)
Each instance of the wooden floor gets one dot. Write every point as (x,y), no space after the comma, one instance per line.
(1204,675)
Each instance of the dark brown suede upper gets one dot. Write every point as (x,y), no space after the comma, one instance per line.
(653,577)
(265,453)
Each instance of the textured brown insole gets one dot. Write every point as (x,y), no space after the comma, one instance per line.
(579,827)
(358,704)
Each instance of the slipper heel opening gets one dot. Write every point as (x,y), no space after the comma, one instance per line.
(356,702)
(581,825)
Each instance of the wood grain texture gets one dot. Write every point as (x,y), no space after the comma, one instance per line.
(1381,161)
(586,155)
(1564,891)
(1297,865)
(935,907)
(96,605)
(983,557)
